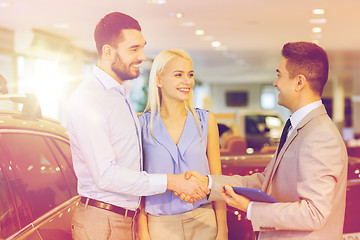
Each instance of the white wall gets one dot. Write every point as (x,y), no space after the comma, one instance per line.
(218,93)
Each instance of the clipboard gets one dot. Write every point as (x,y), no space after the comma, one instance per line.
(255,195)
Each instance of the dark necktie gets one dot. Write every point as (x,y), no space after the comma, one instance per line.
(284,135)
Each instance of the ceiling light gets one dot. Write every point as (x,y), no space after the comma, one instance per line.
(199,32)
(4,4)
(157,1)
(216,44)
(318,20)
(318,11)
(316,30)
(179,15)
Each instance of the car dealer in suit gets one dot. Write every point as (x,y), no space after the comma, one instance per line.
(308,174)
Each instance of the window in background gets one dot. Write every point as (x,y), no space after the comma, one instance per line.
(48,85)
(6,70)
(45,78)
(139,87)
(7,81)
(268,97)
(139,92)
(86,69)
(202,95)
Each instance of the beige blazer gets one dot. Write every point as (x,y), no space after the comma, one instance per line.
(309,179)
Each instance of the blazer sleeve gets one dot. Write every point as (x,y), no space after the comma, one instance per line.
(253,181)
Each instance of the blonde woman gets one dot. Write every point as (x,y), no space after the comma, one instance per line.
(176,138)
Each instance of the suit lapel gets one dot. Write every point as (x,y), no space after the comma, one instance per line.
(279,157)
(313,114)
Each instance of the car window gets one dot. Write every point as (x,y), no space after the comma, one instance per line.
(262,124)
(8,219)
(252,124)
(62,153)
(37,175)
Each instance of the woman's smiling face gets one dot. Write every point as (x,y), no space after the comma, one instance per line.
(176,81)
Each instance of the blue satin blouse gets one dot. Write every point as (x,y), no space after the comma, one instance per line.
(162,155)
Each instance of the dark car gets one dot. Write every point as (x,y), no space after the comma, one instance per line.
(240,227)
(259,127)
(37,181)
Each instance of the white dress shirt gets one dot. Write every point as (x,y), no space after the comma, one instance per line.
(299,115)
(104,134)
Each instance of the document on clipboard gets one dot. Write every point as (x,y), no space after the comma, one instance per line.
(255,195)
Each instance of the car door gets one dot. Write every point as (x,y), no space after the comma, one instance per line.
(37,182)
(8,213)
(60,147)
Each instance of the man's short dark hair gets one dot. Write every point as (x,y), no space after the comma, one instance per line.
(109,28)
(309,60)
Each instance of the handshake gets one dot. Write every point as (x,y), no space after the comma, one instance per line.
(190,187)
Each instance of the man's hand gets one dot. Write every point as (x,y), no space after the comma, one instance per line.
(194,189)
(205,180)
(201,178)
(233,199)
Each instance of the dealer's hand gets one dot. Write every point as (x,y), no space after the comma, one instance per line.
(235,200)
(190,187)
(188,175)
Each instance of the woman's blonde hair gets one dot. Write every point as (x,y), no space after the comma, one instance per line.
(154,94)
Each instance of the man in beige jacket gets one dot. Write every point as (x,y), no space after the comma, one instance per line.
(308,175)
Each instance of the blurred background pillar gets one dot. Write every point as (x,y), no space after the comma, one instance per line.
(356,101)
(338,93)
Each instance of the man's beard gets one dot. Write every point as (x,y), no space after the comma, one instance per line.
(123,72)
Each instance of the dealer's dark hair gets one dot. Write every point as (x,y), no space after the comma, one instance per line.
(109,28)
(307,59)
